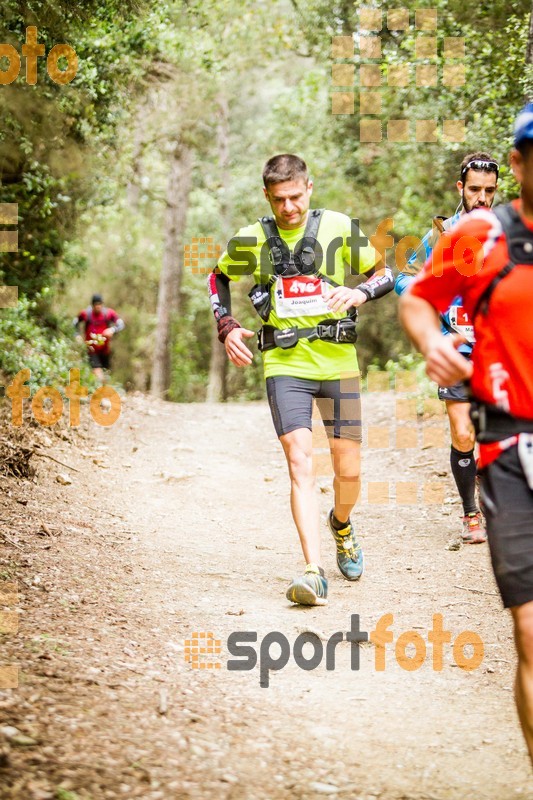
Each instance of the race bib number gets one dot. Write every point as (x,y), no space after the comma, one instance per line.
(300,296)
(525,454)
(460,322)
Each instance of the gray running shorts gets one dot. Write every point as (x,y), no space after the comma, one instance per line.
(339,404)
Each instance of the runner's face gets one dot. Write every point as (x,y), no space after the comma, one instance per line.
(478,189)
(97,308)
(289,202)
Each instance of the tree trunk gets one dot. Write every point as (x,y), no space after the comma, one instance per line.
(529,48)
(133,189)
(216,387)
(168,300)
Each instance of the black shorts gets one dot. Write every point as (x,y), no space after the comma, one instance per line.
(100,360)
(507,502)
(457,393)
(339,404)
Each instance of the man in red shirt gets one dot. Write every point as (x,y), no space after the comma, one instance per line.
(101,324)
(488,260)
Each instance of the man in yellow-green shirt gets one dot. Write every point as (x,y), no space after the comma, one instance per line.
(299,260)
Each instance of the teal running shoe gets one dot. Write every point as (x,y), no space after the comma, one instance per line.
(350,559)
(309,590)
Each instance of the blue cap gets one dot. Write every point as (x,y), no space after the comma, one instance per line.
(523,127)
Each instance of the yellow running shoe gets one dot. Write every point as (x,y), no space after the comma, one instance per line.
(350,559)
(311,589)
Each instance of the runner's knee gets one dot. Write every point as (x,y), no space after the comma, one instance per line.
(300,461)
(463,439)
(346,462)
(350,473)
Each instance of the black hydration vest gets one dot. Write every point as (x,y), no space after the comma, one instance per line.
(303,260)
(306,259)
(490,422)
(520,246)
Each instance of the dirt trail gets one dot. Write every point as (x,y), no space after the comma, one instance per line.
(183,525)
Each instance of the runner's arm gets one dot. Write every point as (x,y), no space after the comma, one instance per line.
(219,295)
(422,322)
(114,323)
(82,317)
(444,277)
(230,332)
(419,314)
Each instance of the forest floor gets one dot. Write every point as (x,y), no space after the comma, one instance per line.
(176,521)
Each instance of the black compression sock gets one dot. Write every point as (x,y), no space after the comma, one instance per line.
(464,471)
(338,525)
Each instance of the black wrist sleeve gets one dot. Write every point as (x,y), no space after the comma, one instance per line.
(219,295)
(379,284)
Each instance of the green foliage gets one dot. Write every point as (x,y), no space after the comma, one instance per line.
(51,138)
(412,181)
(48,129)
(190,355)
(65,794)
(45,351)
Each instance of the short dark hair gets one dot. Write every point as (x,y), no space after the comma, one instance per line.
(285,167)
(477,156)
(524,148)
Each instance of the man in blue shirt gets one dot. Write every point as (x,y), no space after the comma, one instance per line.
(477,188)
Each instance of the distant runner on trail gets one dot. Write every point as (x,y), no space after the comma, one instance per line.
(477,187)
(298,259)
(487,259)
(101,324)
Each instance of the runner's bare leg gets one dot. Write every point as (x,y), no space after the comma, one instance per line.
(523,629)
(298,449)
(346,461)
(461,428)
